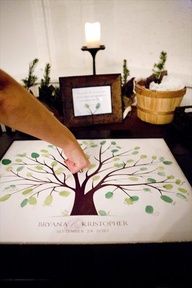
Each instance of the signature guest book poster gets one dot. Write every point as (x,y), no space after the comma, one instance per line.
(134,191)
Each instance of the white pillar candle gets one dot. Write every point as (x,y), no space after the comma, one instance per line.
(92,34)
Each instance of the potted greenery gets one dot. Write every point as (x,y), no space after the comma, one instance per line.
(48,93)
(157,105)
(127,89)
(31,80)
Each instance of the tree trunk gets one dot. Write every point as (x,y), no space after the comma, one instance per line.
(84,204)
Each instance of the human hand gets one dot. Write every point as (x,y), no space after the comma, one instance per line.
(76,160)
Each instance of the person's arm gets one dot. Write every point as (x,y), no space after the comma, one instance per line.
(22,111)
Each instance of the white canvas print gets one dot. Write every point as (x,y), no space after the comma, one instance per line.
(133,192)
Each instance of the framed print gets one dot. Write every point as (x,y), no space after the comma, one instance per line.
(91,99)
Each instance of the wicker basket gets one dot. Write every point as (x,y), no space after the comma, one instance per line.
(157,107)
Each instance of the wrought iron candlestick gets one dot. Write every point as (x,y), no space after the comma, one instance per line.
(93,52)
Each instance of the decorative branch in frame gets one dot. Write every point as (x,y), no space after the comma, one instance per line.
(91,99)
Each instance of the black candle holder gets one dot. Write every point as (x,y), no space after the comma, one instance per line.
(93,52)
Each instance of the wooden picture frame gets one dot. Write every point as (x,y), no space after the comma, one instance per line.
(91,99)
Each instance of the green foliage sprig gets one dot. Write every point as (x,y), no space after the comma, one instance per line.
(45,81)
(127,87)
(158,70)
(48,93)
(31,79)
(159,67)
(126,73)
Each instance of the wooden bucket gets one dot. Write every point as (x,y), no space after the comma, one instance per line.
(157,107)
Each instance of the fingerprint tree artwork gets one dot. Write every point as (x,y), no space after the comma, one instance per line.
(118,168)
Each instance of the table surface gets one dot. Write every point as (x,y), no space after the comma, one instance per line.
(154,265)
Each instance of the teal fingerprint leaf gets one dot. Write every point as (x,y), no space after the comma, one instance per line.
(102,213)
(24,203)
(113,143)
(135,198)
(6,161)
(151,180)
(97,106)
(166,198)
(102,142)
(34,155)
(109,195)
(149,209)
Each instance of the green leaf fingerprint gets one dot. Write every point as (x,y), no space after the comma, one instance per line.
(151,180)
(64,193)
(34,155)
(102,213)
(166,198)
(24,203)
(27,191)
(183,190)
(5,197)
(6,161)
(149,209)
(168,186)
(135,198)
(109,195)
(167,162)
(48,200)
(32,200)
